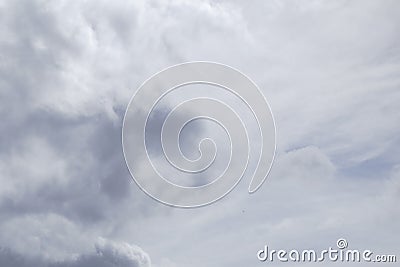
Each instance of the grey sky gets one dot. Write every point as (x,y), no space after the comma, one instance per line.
(329,69)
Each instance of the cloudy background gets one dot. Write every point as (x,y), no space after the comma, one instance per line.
(330,70)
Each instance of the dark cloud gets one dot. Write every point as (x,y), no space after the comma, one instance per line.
(11,259)
(90,149)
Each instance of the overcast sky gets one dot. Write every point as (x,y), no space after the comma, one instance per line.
(329,69)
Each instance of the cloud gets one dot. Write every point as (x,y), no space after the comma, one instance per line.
(68,70)
(122,254)
(305,163)
(12,259)
(108,254)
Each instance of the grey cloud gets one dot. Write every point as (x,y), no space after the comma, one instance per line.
(11,259)
(80,187)
(70,155)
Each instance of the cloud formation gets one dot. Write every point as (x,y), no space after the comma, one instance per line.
(68,70)
(108,254)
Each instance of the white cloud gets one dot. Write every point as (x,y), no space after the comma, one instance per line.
(108,254)
(122,254)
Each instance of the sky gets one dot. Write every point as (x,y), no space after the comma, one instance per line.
(330,72)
